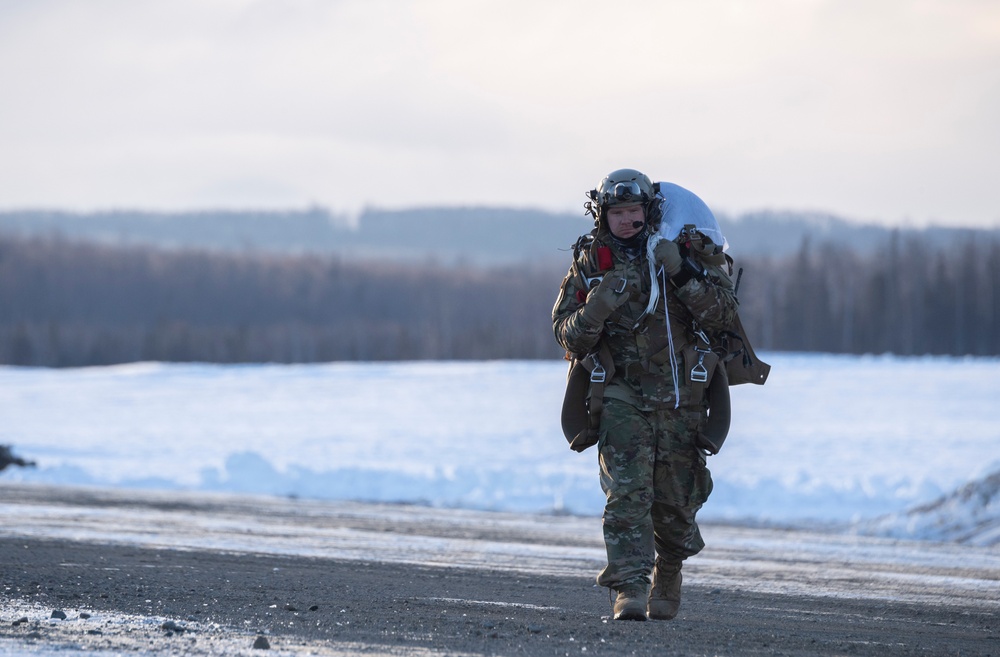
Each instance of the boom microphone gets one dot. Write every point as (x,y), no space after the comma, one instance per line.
(637,224)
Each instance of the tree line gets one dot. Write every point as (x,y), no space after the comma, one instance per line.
(914,297)
(68,303)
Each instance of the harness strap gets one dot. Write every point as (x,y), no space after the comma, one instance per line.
(717,259)
(584,399)
(603,368)
(700,365)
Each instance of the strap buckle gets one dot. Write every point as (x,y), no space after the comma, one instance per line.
(698,373)
(598,374)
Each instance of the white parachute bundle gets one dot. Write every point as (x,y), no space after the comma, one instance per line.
(679,208)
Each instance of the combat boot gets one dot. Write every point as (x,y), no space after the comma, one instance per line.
(665,595)
(628,605)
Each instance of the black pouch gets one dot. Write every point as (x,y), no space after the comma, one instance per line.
(584,398)
(575,412)
(713,432)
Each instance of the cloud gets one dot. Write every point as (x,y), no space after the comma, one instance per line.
(880,111)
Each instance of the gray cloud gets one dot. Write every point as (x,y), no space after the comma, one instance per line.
(879,111)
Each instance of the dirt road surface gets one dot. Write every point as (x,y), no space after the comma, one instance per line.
(146,573)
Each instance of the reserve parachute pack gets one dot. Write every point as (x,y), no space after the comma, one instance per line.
(712,364)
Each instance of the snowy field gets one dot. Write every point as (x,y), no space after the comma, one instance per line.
(830,440)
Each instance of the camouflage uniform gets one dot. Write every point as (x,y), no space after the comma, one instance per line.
(652,472)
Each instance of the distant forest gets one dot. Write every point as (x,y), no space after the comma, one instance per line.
(914,297)
(72,303)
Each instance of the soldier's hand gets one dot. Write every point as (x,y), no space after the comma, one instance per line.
(668,254)
(613,291)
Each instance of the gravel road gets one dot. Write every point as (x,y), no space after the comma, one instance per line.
(180,573)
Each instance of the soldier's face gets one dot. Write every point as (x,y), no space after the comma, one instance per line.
(622,220)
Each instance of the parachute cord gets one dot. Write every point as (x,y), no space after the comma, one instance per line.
(654,291)
(670,343)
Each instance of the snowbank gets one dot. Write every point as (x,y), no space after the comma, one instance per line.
(970,515)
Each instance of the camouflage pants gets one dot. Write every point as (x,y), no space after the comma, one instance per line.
(655,480)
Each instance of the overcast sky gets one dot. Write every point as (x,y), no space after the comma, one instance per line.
(874,110)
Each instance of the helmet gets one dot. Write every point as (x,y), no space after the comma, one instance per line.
(621,187)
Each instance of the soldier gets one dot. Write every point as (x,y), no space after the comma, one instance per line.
(612,306)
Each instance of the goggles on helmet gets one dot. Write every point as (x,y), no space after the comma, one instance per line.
(627,192)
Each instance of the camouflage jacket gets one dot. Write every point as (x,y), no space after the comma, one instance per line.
(639,344)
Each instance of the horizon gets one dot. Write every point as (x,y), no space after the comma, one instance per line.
(882,115)
(351,220)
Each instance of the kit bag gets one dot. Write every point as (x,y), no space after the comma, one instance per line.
(584,398)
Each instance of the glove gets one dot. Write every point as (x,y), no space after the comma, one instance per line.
(668,254)
(608,296)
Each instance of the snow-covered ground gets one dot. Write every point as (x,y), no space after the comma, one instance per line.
(834,440)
